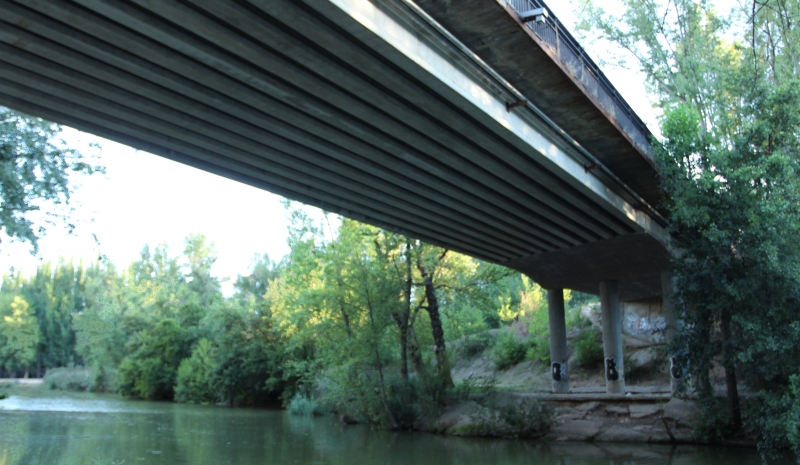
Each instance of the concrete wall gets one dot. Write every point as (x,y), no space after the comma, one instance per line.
(644,319)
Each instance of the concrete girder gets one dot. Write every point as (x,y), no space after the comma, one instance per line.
(251,63)
(259,169)
(462,81)
(213,168)
(63,54)
(398,198)
(356,69)
(366,103)
(534,231)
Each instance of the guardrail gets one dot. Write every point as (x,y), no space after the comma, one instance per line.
(574,57)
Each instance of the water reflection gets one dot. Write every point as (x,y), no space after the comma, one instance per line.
(96,429)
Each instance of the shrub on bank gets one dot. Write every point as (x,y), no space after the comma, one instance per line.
(588,351)
(508,350)
(70,379)
(195,380)
(475,345)
(304,406)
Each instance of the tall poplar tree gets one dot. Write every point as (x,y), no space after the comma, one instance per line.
(729,165)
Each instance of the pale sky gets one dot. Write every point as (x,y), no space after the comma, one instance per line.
(145,199)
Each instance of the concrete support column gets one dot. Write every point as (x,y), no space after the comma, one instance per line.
(559,369)
(667,289)
(611,314)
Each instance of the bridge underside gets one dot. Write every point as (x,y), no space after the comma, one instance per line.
(359,110)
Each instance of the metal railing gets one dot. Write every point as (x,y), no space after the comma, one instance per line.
(574,57)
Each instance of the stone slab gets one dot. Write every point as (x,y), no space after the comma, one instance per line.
(679,409)
(620,434)
(617,409)
(588,406)
(638,411)
(576,430)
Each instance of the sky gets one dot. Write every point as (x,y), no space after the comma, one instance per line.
(145,199)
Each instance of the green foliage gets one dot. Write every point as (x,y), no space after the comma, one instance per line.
(195,383)
(303,406)
(775,417)
(34,168)
(504,417)
(526,417)
(358,316)
(539,330)
(729,165)
(579,299)
(70,379)
(472,385)
(474,346)
(588,350)
(151,368)
(19,332)
(575,319)
(248,355)
(255,285)
(508,350)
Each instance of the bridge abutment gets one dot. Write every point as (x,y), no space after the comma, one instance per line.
(559,357)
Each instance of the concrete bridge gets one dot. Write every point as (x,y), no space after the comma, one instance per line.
(458,122)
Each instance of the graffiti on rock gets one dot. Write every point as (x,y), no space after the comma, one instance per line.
(644,327)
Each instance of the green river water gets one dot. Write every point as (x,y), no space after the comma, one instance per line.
(49,428)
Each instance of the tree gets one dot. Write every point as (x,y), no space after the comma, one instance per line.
(151,368)
(256,283)
(34,168)
(19,333)
(737,224)
(728,165)
(201,256)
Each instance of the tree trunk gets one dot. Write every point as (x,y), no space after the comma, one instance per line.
(345,316)
(442,364)
(384,400)
(415,355)
(378,363)
(404,351)
(734,408)
(406,316)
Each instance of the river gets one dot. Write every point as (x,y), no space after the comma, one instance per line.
(41,427)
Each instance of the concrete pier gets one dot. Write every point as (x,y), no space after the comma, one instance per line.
(559,367)
(667,289)
(611,314)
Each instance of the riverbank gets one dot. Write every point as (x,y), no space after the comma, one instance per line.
(46,426)
(25,381)
(641,419)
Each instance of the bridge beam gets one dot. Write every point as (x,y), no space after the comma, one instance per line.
(559,368)
(611,314)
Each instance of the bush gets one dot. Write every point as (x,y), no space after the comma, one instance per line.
(539,339)
(69,379)
(151,370)
(476,345)
(508,350)
(538,351)
(195,381)
(304,406)
(473,385)
(509,417)
(588,352)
